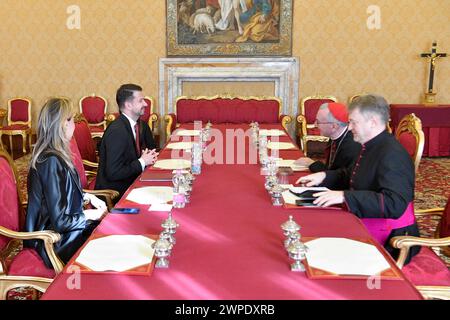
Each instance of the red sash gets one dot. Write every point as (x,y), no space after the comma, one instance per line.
(381,228)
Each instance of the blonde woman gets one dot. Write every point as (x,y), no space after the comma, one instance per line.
(55,196)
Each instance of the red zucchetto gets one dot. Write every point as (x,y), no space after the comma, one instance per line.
(339,111)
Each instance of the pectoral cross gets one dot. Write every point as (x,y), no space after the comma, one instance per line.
(433,55)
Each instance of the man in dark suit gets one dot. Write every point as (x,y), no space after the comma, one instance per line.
(127,145)
(342,150)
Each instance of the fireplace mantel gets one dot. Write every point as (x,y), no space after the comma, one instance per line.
(283,72)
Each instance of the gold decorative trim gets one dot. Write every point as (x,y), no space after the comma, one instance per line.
(304,126)
(283,47)
(404,243)
(285,120)
(169,121)
(413,125)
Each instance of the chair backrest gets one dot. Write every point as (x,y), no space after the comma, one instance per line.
(310,105)
(409,133)
(78,163)
(11,213)
(149,109)
(225,108)
(19,111)
(94,107)
(350,100)
(82,134)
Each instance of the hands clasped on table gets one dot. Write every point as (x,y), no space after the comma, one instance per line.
(149,156)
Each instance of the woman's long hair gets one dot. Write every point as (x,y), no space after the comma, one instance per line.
(51,138)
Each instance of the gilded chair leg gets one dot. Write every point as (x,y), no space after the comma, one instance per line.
(29,141)
(11,146)
(305,148)
(24,143)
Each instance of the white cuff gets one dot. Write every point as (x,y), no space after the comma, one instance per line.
(142,163)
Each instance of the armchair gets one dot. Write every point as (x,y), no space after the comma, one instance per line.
(308,131)
(426,270)
(20,266)
(19,122)
(94,107)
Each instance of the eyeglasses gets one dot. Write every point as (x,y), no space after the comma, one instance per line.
(316,122)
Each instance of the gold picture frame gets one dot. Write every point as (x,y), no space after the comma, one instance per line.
(197,28)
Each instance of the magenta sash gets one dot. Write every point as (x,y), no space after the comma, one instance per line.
(381,228)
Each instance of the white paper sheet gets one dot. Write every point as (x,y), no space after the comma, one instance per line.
(172,164)
(117,253)
(291,163)
(179,145)
(151,195)
(187,133)
(345,257)
(272,132)
(280,145)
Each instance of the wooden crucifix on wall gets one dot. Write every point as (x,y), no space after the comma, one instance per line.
(432,56)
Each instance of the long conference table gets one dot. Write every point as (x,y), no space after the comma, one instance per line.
(229,245)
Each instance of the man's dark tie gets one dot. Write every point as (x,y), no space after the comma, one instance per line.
(138,142)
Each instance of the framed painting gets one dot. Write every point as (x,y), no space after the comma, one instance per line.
(229,27)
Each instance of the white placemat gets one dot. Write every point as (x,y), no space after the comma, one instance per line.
(151,195)
(171,164)
(117,253)
(187,133)
(179,145)
(345,257)
(280,145)
(272,132)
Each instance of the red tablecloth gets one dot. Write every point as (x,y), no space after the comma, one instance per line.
(435,124)
(229,246)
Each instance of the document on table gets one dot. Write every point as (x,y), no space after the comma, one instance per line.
(179,145)
(272,132)
(116,253)
(343,256)
(151,195)
(171,164)
(290,198)
(187,133)
(291,163)
(280,145)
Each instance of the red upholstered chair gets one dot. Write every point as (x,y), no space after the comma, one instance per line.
(308,131)
(149,116)
(93,108)
(19,122)
(426,270)
(88,180)
(24,268)
(86,143)
(409,133)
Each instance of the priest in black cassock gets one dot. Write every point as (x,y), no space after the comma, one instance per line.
(342,150)
(381,182)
